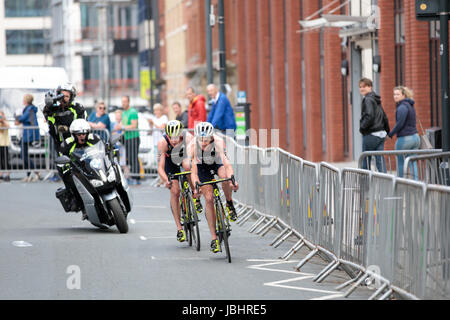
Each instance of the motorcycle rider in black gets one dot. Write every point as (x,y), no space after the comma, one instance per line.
(59,112)
(81,137)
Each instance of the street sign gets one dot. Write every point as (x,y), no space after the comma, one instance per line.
(241,97)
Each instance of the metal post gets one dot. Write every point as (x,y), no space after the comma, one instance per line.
(222,56)
(209,68)
(444,17)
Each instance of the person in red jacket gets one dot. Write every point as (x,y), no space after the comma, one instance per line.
(196,109)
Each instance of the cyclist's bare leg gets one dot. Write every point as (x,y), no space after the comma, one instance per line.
(225,186)
(187,167)
(207,192)
(175,203)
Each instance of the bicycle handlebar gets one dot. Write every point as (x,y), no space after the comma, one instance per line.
(173,175)
(199,184)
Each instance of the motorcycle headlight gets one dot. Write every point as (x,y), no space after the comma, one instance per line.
(111,175)
(96,164)
(96,183)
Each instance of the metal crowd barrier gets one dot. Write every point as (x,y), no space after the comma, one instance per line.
(38,156)
(390,158)
(388,233)
(430,168)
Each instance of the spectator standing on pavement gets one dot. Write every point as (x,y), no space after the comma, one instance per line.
(120,146)
(4,145)
(373,124)
(132,140)
(30,134)
(405,126)
(157,123)
(196,109)
(180,115)
(221,115)
(99,121)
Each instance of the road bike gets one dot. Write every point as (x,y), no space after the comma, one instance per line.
(189,216)
(223,226)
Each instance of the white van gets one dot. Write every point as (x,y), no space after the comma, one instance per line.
(15,82)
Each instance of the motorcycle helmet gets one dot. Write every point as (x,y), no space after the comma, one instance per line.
(174,128)
(79,126)
(204,130)
(67,87)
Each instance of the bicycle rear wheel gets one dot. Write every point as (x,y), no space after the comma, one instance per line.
(222,228)
(185,215)
(193,222)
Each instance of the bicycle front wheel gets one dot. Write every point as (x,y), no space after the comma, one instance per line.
(193,222)
(222,229)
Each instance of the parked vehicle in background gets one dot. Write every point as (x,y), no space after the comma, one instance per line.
(15,82)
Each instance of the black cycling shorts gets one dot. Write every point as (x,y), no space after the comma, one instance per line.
(206,172)
(171,168)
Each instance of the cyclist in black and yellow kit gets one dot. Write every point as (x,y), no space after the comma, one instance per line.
(208,155)
(172,155)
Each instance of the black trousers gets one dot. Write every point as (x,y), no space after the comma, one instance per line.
(132,149)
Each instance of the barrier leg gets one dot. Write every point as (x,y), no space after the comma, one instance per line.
(379,290)
(293,250)
(279,236)
(245,217)
(326,271)
(306,259)
(343,285)
(256,224)
(355,285)
(386,295)
(270,224)
(276,245)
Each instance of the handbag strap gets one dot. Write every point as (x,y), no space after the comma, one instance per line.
(420,122)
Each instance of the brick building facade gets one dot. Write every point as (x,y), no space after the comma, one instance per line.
(293,76)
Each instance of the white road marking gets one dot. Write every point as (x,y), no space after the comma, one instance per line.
(284,283)
(21,244)
(281,285)
(277,262)
(144,238)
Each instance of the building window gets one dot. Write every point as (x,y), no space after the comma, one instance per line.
(435,79)
(27,8)
(28,41)
(399,42)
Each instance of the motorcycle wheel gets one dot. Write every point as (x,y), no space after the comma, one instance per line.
(119,215)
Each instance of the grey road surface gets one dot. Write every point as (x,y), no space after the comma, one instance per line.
(48,254)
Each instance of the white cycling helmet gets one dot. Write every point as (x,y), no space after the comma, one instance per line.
(67,87)
(79,126)
(204,130)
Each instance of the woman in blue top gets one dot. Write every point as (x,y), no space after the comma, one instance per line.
(30,133)
(99,121)
(405,127)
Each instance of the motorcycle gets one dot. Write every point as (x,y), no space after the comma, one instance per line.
(101,185)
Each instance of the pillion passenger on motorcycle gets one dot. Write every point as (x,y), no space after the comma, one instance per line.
(60,110)
(80,137)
